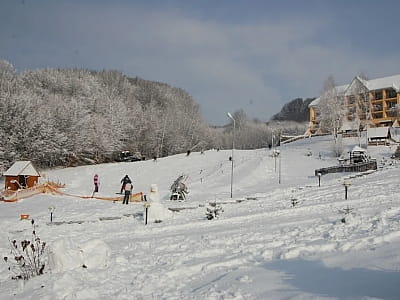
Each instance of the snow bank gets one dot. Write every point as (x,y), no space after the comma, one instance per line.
(66,255)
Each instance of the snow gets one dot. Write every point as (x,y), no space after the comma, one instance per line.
(260,247)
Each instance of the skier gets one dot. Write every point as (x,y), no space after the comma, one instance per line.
(124,181)
(128,190)
(96,182)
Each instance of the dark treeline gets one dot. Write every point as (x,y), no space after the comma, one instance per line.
(65,117)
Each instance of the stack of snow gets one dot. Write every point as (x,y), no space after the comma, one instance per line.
(157,212)
(66,255)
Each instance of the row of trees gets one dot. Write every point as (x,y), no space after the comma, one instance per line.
(61,117)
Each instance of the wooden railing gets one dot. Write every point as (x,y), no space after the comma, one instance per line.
(360,167)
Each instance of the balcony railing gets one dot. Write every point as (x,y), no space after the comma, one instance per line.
(377,115)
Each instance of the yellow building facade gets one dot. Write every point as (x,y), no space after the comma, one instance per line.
(368,103)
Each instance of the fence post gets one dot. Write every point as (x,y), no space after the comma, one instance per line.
(346,185)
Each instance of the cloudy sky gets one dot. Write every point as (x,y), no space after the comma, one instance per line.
(254,55)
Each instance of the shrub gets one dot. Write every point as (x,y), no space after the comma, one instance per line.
(26,258)
(213,211)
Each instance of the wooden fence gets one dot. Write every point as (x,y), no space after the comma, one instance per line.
(360,167)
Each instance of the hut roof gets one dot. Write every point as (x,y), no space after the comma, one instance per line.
(378,132)
(358,149)
(24,167)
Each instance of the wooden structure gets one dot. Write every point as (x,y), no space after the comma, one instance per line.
(358,155)
(21,175)
(359,167)
(358,161)
(378,136)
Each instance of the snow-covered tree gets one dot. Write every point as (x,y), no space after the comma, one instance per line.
(331,107)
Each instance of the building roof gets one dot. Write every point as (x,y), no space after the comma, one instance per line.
(378,132)
(349,125)
(357,86)
(340,90)
(24,167)
(315,102)
(384,82)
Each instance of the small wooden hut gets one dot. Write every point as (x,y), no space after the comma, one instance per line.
(378,136)
(22,174)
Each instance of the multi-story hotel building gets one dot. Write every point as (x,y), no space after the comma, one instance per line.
(369,103)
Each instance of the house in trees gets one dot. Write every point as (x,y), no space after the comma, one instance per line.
(365,103)
(21,174)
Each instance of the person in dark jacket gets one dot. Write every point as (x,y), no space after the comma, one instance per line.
(124,181)
(96,182)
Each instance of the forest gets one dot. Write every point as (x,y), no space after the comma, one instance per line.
(69,117)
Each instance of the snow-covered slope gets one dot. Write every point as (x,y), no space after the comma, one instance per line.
(280,235)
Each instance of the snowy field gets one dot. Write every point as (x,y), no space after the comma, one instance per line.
(281,236)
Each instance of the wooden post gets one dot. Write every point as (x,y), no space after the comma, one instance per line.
(346,185)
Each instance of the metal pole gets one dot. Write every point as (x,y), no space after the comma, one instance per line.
(280,160)
(233,147)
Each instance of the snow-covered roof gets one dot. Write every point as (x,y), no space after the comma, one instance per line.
(24,167)
(348,125)
(315,102)
(384,82)
(358,149)
(378,132)
(357,86)
(340,90)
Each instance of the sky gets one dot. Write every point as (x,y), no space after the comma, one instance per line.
(229,55)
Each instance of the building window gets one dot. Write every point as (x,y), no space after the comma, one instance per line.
(378,115)
(378,95)
(352,99)
(391,93)
(392,113)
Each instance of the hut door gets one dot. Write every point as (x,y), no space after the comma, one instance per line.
(22,181)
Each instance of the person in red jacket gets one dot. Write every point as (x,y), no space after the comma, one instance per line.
(96,182)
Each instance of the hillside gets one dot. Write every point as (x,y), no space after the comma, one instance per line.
(70,117)
(296,110)
(273,240)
